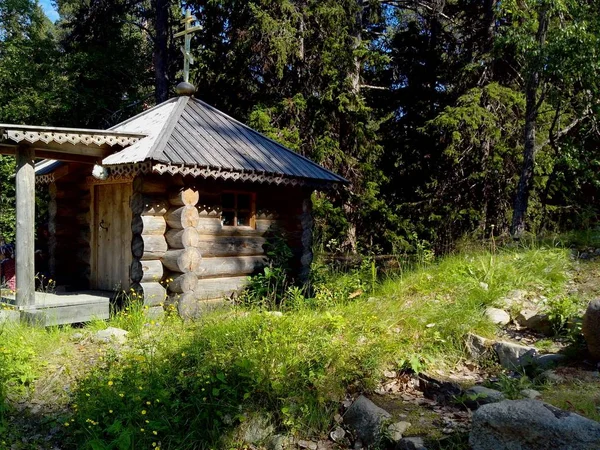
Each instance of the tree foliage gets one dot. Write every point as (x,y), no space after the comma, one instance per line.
(446,116)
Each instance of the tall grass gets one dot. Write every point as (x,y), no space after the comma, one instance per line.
(184,386)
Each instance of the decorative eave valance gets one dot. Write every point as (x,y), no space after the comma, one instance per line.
(126,172)
(35,134)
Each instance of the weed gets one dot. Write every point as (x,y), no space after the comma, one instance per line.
(561,310)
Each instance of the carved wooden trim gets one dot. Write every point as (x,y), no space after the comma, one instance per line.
(63,137)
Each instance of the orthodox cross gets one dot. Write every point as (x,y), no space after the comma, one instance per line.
(187,34)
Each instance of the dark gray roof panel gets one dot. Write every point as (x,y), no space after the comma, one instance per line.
(192,133)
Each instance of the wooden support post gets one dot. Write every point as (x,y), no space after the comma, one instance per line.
(25,184)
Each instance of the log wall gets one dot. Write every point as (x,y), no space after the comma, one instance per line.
(149,207)
(181,253)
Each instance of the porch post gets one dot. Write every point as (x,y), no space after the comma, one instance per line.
(25,184)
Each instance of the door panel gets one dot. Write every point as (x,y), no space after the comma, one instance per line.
(112,228)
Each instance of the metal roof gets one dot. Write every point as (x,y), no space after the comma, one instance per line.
(186,131)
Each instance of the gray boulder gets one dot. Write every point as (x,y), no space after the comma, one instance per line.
(531,425)
(367,420)
(480,395)
(497,316)
(256,429)
(534,320)
(111,334)
(396,430)
(411,443)
(591,328)
(510,354)
(477,346)
(530,393)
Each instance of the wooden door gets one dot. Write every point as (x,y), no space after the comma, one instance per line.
(112,244)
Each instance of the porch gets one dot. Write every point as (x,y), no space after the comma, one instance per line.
(60,308)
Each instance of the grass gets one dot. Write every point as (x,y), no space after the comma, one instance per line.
(188,385)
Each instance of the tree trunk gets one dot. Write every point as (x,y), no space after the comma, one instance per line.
(531,114)
(160,51)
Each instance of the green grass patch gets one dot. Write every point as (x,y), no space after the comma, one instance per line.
(183,386)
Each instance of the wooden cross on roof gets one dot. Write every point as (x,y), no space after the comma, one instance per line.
(187,34)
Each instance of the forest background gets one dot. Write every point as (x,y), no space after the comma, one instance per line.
(450,118)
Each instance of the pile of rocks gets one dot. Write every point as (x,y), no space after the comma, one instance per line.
(527,312)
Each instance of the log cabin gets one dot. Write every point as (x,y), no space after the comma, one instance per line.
(174,204)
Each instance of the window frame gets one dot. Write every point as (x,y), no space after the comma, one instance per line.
(236,210)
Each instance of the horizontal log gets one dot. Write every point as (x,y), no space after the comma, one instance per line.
(185,260)
(188,237)
(148,247)
(230,245)
(189,307)
(182,217)
(145,205)
(230,266)
(148,225)
(209,225)
(154,293)
(184,197)
(212,288)
(144,271)
(182,283)
(212,225)
(264,225)
(149,185)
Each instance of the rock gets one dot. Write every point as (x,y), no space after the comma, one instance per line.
(532,319)
(513,297)
(257,429)
(276,442)
(591,330)
(548,360)
(439,390)
(310,445)
(367,419)
(274,313)
(497,316)
(530,393)
(338,434)
(551,376)
(358,445)
(531,425)
(111,334)
(411,443)
(477,346)
(509,354)
(396,430)
(484,286)
(480,395)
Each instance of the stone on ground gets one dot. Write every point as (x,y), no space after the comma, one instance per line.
(510,354)
(480,395)
(591,328)
(531,425)
(534,320)
(367,419)
(396,430)
(257,429)
(530,393)
(111,334)
(497,316)
(477,346)
(548,360)
(337,434)
(411,443)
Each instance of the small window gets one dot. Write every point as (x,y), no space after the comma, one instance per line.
(237,209)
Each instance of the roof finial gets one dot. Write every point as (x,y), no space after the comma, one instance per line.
(185,87)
